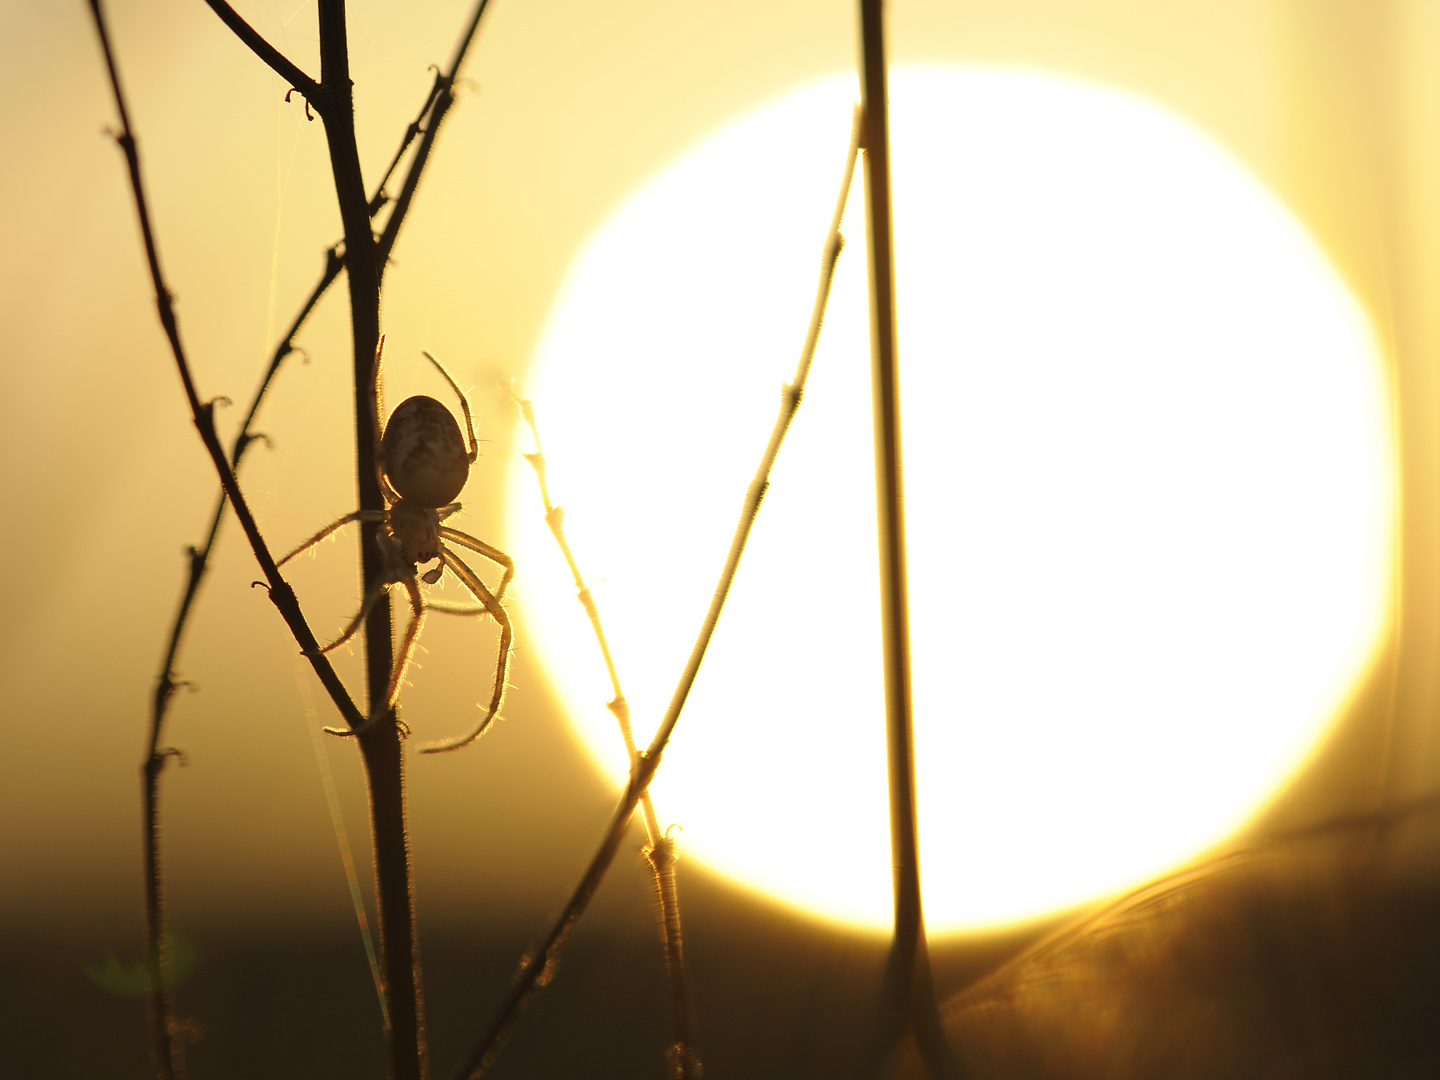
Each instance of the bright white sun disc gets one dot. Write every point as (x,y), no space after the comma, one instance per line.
(1148,495)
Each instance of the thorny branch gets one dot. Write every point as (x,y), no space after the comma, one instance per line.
(163,1034)
(437,101)
(660,847)
(540,965)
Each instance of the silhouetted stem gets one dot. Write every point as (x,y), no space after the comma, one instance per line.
(909,996)
(442,96)
(163,1048)
(380,742)
(540,965)
(162,1026)
(660,848)
(272,56)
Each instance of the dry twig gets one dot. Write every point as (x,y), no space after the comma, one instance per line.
(539,967)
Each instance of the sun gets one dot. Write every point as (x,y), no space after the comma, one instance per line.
(1148,487)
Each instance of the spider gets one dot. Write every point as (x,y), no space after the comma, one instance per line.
(422,465)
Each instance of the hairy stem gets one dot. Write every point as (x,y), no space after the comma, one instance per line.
(380,742)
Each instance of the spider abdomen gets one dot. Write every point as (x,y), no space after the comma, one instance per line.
(424,453)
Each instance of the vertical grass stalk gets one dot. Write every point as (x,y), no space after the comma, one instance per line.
(909,995)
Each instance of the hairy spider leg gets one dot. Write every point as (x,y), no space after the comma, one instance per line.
(502,661)
(495,555)
(407,643)
(358,515)
(371,599)
(464,406)
(396,573)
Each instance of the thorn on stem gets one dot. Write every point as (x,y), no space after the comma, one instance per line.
(295,90)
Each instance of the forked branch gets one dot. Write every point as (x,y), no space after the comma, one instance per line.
(365,259)
(426,122)
(278,61)
(660,847)
(163,1048)
(540,967)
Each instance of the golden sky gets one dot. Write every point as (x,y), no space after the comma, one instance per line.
(566,106)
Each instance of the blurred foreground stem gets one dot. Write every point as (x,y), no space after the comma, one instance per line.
(909,993)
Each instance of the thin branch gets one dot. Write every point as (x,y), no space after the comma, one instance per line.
(202,414)
(272,56)
(909,1001)
(168,682)
(540,966)
(660,849)
(380,739)
(334,263)
(163,1033)
(442,96)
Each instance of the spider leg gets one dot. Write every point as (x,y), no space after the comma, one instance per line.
(375,418)
(494,554)
(371,599)
(407,643)
(402,657)
(464,405)
(358,515)
(502,663)
(447,607)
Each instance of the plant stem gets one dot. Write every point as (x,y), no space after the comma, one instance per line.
(539,967)
(685,1061)
(163,1044)
(909,995)
(380,742)
(386,760)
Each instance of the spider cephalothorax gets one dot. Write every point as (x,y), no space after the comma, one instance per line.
(423,463)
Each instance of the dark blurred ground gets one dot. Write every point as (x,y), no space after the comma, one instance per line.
(1316,957)
(777,995)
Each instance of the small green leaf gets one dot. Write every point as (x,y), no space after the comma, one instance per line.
(132,980)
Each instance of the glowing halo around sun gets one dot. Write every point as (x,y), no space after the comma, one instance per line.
(1148,488)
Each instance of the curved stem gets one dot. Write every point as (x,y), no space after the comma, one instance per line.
(163,1044)
(278,61)
(660,848)
(539,968)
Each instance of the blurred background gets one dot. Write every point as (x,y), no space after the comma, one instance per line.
(564,108)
